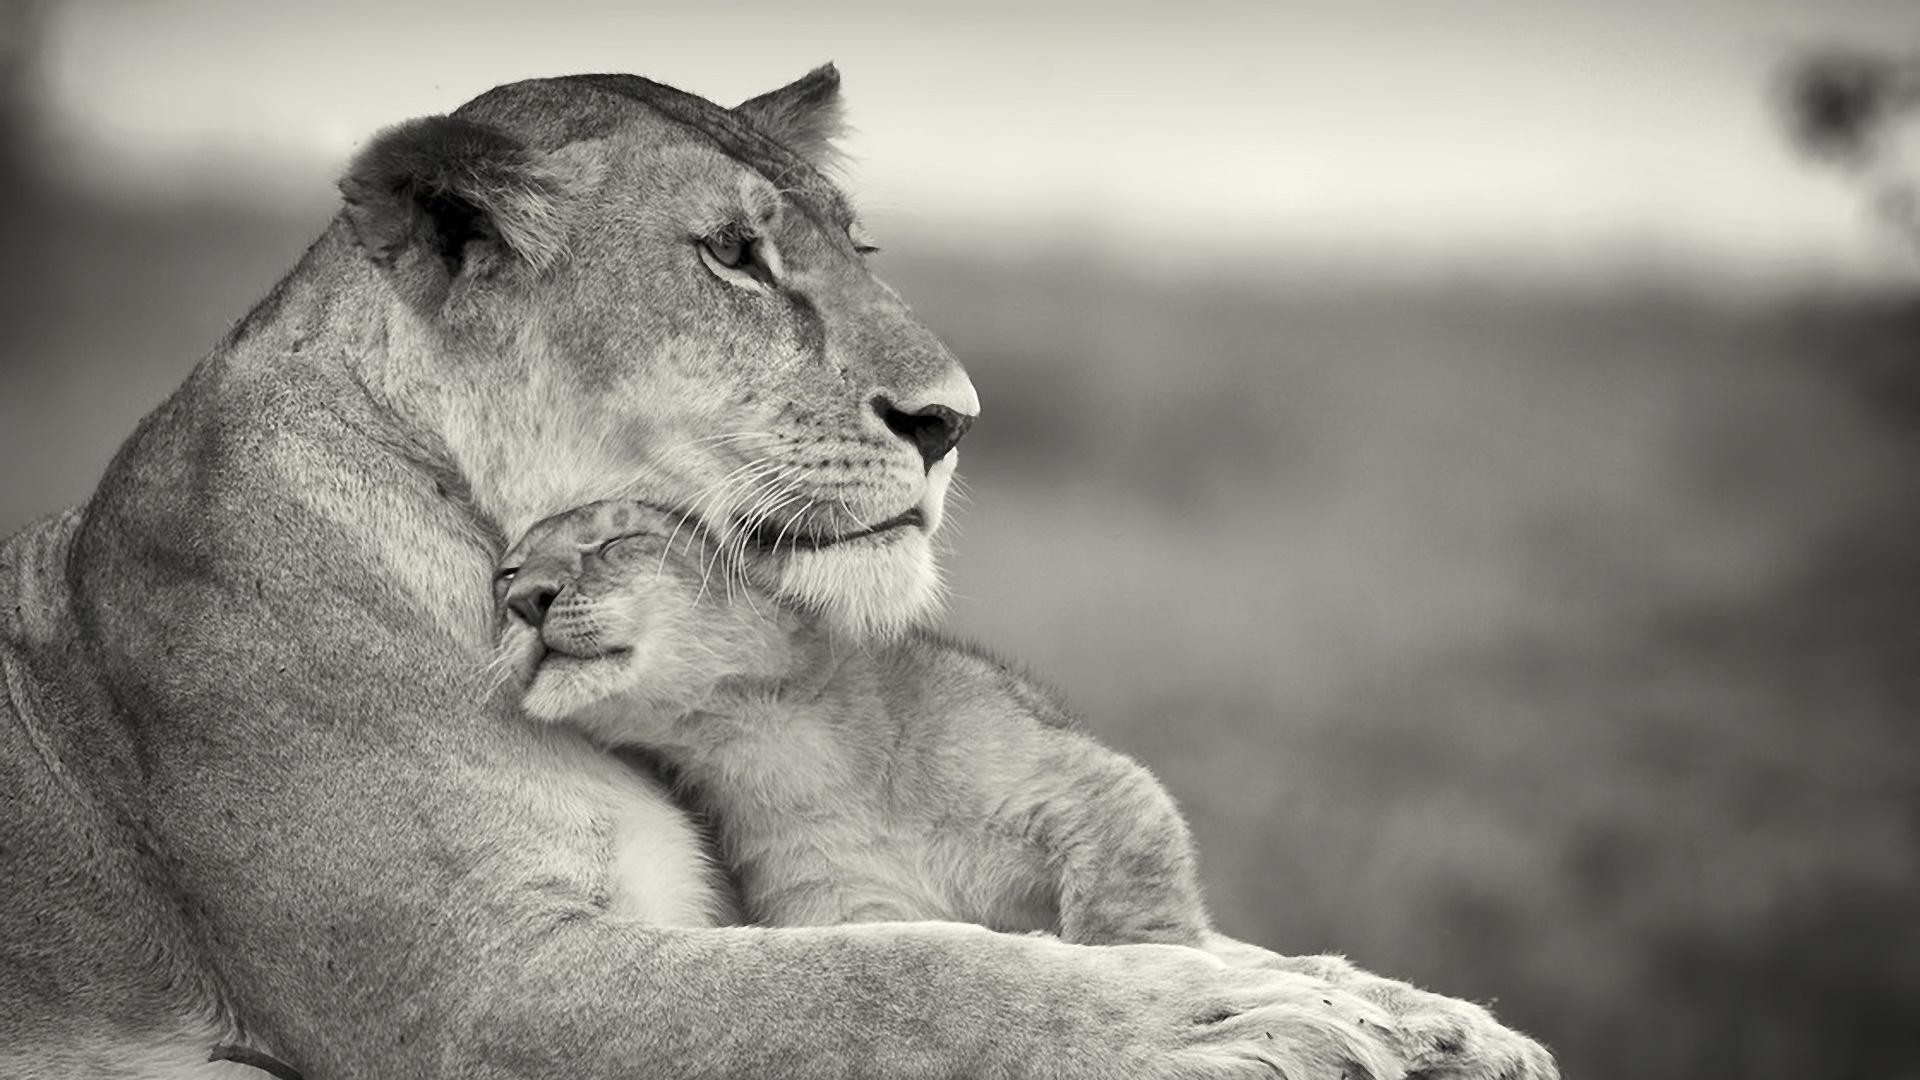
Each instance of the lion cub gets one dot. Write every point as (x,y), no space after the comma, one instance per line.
(918,779)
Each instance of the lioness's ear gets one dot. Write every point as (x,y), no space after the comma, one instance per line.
(804,114)
(437,198)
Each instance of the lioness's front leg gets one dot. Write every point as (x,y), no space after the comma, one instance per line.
(566,988)
(1436,1035)
(907,1000)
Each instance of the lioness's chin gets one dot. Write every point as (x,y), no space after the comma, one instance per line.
(876,587)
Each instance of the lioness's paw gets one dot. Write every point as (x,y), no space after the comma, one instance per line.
(1439,1038)
(1312,1032)
(1205,1020)
(1446,1038)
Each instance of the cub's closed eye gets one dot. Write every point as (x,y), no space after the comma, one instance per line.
(614,541)
(862,241)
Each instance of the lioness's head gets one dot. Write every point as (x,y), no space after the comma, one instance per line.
(600,287)
(635,608)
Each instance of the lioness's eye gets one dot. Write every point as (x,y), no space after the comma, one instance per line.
(737,257)
(728,248)
(506,573)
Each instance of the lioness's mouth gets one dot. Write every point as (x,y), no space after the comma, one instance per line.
(768,538)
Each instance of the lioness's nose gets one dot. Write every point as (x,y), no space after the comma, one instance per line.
(531,600)
(934,429)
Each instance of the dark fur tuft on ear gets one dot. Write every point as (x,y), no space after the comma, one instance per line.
(805,115)
(435,197)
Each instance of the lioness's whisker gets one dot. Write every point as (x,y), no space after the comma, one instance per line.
(747,510)
(753,467)
(735,526)
(711,494)
(730,436)
(751,522)
(791,492)
(791,521)
(715,496)
(853,519)
(750,489)
(758,514)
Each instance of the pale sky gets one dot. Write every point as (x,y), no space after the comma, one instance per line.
(1569,130)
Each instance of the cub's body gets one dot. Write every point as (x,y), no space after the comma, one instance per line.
(848,781)
(844,802)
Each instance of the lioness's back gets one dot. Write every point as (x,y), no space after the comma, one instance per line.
(93,958)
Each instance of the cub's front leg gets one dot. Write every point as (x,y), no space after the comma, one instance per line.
(1437,1036)
(1127,871)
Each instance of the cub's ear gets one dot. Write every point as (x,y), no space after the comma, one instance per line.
(439,199)
(804,115)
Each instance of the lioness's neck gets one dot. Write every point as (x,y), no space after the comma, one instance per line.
(473,400)
(280,449)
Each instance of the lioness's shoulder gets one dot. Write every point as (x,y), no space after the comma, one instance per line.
(974,661)
(33,581)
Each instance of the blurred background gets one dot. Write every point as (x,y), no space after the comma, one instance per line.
(1469,450)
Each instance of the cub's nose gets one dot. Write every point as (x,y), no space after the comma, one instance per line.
(932,429)
(531,599)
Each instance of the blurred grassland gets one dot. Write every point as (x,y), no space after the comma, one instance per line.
(1543,645)
(1546,644)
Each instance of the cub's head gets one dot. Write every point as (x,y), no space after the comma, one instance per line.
(635,608)
(598,287)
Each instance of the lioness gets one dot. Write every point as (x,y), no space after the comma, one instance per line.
(248,795)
